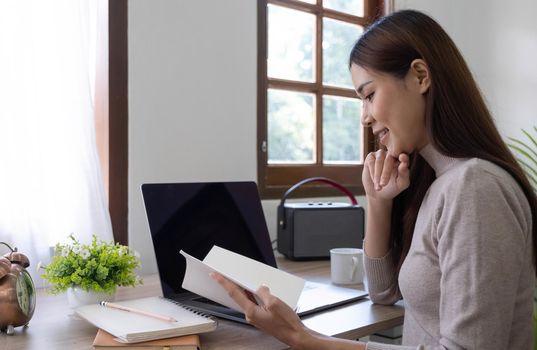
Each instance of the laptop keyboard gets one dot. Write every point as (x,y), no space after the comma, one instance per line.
(207,301)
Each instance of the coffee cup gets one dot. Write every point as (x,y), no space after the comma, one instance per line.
(347,265)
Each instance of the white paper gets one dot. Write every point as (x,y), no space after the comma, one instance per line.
(248,273)
(133,327)
(197,280)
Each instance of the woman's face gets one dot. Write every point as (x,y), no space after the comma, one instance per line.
(394,108)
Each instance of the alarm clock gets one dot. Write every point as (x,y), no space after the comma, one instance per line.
(17,291)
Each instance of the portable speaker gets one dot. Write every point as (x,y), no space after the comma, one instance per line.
(310,230)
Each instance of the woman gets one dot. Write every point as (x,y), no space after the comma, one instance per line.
(450,214)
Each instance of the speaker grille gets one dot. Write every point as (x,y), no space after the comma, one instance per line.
(318,231)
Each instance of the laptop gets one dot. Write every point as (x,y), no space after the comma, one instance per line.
(195,216)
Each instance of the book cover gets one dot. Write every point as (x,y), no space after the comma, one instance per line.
(248,273)
(105,341)
(130,327)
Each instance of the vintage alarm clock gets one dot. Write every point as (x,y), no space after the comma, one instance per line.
(17,291)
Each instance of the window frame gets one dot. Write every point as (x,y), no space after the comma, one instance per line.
(111,111)
(275,179)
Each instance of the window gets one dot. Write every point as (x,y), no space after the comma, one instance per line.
(50,182)
(308,111)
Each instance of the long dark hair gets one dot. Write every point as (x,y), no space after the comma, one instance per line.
(457,119)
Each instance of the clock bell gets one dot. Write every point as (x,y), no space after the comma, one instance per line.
(17,291)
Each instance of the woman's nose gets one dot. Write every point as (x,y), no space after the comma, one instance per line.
(367,119)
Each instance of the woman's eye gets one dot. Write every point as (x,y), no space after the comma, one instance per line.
(370,97)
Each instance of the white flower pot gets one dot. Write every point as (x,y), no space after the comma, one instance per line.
(76,297)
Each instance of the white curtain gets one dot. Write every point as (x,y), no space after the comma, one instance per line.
(50,179)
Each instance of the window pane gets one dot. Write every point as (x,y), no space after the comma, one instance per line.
(354,7)
(291,127)
(338,39)
(290,44)
(342,131)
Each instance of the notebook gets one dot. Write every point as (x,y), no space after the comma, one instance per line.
(129,327)
(105,341)
(194,217)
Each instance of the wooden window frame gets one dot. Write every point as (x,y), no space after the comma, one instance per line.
(111,111)
(275,179)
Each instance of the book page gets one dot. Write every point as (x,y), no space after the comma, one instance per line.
(197,280)
(248,273)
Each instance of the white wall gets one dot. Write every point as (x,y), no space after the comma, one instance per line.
(192,98)
(499,42)
(192,86)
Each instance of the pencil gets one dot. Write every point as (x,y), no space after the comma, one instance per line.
(136,311)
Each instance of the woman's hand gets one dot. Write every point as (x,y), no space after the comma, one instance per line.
(273,316)
(384,176)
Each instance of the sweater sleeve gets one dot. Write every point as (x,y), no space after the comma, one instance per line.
(382,279)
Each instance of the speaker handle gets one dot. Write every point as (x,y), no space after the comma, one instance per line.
(326,180)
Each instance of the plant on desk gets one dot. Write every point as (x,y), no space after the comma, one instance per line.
(91,272)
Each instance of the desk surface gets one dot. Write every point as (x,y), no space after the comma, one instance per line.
(55,327)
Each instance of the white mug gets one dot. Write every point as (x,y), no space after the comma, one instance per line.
(347,265)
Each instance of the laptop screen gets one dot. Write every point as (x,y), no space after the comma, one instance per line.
(195,216)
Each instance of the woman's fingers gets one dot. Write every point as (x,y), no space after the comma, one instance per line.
(236,293)
(272,316)
(381,167)
(380,156)
(403,178)
(384,174)
(268,300)
(263,293)
(387,170)
(370,167)
(403,158)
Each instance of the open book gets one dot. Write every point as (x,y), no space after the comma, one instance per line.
(247,273)
(131,327)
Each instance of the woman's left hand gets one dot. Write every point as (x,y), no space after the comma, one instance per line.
(273,316)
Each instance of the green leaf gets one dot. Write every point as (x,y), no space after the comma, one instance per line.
(531,139)
(527,151)
(530,171)
(98,266)
(524,149)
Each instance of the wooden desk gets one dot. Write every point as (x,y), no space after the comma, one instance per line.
(55,327)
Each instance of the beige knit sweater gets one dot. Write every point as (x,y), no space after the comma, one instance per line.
(468,279)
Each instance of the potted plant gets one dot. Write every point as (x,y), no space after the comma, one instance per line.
(91,272)
(527,156)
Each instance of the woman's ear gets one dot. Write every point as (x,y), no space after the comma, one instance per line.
(420,72)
